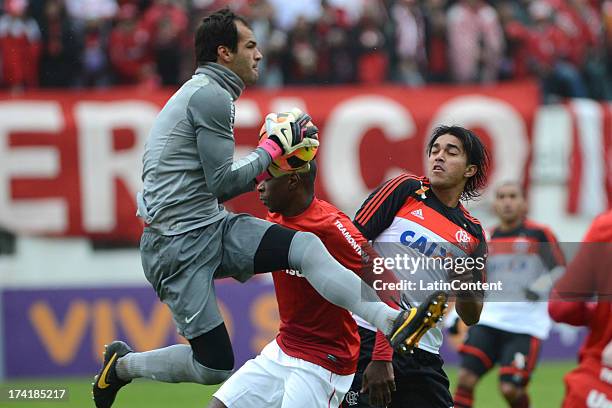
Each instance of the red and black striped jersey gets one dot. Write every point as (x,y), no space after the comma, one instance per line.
(528,237)
(518,258)
(405,208)
(406,221)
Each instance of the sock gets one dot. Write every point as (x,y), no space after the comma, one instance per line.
(170,364)
(464,397)
(337,284)
(521,402)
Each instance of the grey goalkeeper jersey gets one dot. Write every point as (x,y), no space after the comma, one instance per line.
(188,163)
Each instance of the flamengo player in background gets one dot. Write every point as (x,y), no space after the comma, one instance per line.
(312,361)
(423,218)
(190,239)
(511,328)
(583,297)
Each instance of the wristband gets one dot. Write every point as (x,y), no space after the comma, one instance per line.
(272,148)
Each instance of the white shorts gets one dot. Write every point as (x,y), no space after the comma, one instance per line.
(274,379)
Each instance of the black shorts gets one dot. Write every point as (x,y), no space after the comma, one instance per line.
(419,379)
(516,353)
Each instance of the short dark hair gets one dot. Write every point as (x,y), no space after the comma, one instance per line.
(477,154)
(216,29)
(514,183)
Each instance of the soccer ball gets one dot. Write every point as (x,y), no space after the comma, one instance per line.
(299,157)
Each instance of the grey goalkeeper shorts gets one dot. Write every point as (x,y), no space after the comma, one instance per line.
(182,267)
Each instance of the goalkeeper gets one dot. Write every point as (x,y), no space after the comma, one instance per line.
(189,239)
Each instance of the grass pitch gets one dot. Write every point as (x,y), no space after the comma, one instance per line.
(546,391)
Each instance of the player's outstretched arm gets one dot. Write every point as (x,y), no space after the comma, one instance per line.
(211,115)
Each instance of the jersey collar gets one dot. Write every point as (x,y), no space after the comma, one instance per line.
(224,77)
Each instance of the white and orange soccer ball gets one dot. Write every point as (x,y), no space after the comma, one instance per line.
(299,157)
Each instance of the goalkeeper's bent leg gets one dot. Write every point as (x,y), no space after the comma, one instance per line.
(171,364)
(209,360)
(337,284)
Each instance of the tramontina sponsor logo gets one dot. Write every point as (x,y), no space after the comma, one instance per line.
(347,235)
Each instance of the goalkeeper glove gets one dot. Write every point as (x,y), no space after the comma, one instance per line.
(291,134)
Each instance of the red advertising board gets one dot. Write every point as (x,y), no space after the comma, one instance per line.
(70,162)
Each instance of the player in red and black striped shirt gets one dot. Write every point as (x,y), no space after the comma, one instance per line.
(422,218)
(525,257)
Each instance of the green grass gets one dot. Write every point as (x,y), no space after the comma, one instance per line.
(546,390)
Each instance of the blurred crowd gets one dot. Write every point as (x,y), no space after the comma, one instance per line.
(566,44)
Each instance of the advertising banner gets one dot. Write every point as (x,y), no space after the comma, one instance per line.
(70,163)
(63,331)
